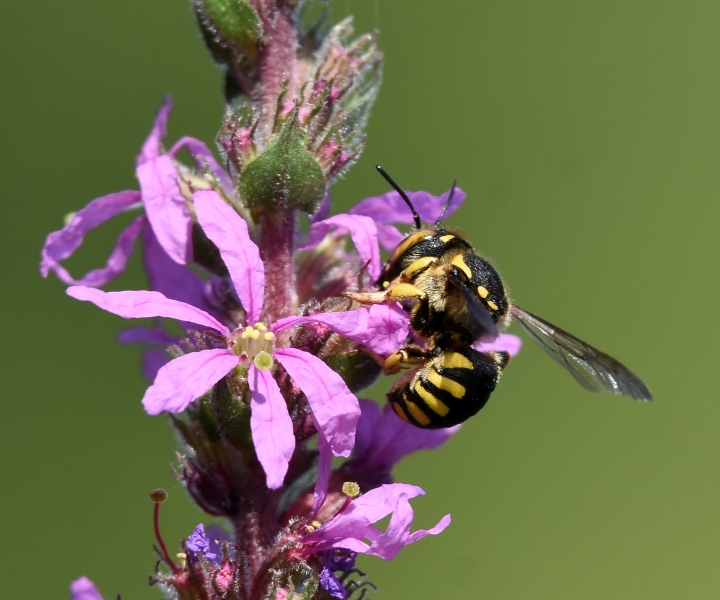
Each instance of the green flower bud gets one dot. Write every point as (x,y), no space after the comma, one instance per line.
(284,177)
(232,416)
(229,24)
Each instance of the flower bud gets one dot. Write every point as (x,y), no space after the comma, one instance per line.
(232,25)
(285,177)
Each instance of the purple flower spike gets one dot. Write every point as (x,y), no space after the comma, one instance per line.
(332,584)
(229,232)
(61,244)
(351,527)
(84,589)
(363,231)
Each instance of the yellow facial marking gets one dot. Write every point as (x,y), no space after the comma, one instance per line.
(446,238)
(459,262)
(399,411)
(433,403)
(419,265)
(445,383)
(455,360)
(403,291)
(482,292)
(416,413)
(492,305)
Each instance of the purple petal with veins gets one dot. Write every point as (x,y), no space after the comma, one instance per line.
(391,208)
(505,342)
(203,158)
(141,304)
(61,244)
(363,231)
(229,232)
(186,378)
(271,426)
(382,328)
(166,207)
(335,408)
(153,144)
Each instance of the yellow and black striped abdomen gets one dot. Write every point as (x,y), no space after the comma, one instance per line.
(448,389)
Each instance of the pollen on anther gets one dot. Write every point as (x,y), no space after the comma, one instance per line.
(260,327)
(158,496)
(351,489)
(269,335)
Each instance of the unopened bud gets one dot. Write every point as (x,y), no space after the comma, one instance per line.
(230,23)
(284,177)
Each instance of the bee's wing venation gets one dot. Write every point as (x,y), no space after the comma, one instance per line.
(594,370)
(476,308)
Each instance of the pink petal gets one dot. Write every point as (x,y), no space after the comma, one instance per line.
(61,244)
(394,539)
(382,328)
(174,281)
(391,208)
(153,145)
(229,232)
(323,476)
(363,232)
(141,304)
(186,378)
(388,236)
(166,207)
(505,342)
(380,502)
(421,533)
(84,589)
(271,425)
(335,409)
(203,157)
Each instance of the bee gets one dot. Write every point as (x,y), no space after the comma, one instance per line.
(457,298)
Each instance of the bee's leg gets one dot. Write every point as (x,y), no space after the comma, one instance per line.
(367,297)
(407,355)
(396,292)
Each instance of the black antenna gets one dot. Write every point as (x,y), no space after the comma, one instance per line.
(447,203)
(403,195)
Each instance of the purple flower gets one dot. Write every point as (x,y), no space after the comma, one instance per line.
(353,526)
(165,208)
(382,439)
(198,543)
(250,351)
(332,584)
(391,208)
(84,589)
(332,561)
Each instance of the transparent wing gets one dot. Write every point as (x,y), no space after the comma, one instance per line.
(594,370)
(479,313)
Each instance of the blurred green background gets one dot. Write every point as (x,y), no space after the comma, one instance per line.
(587,136)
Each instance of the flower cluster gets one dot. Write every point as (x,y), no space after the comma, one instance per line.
(260,370)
